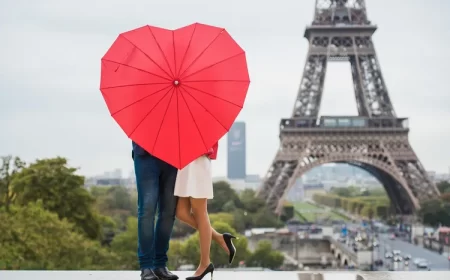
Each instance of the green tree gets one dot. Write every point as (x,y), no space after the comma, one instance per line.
(175,254)
(379,192)
(223,193)
(61,191)
(125,246)
(9,167)
(265,218)
(444,187)
(344,191)
(117,202)
(435,212)
(265,256)
(222,217)
(34,238)
(288,212)
(251,203)
(191,249)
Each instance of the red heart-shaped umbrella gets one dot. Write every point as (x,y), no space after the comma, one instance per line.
(175,92)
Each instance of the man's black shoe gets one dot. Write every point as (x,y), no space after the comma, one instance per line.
(147,274)
(164,274)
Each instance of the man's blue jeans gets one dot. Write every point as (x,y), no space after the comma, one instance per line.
(155,180)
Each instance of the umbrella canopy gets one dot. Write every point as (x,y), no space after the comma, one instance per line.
(175,92)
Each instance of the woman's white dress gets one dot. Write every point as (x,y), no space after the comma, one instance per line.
(195,180)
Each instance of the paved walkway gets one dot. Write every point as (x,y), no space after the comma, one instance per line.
(225,275)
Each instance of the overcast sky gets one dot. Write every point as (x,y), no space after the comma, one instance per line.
(50,52)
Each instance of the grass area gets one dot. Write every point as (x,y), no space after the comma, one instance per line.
(309,212)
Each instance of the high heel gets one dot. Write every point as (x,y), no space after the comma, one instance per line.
(209,269)
(228,238)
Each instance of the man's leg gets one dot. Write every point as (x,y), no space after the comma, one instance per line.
(166,216)
(147,180)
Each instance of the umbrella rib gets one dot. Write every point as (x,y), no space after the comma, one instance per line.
(168,76)
(142,70)
(143,119)
(207,47)
(205,81)
(193,119)
(139,100)
(213,96)
(206,109)
(174,53)
(164,118)
(214,64)
(185,52)
(178,122)
(130,85)
(160,49)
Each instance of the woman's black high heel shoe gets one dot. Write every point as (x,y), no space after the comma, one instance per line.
(229,242)
(209,269)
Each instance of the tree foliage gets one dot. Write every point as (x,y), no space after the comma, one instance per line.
(61,191)
(371,204)
(50,221)
(375,202)
(9,167)
(125,246)
(34,238)
(435,212)
(444,187)
(116,202)
(265,256)
(223,194)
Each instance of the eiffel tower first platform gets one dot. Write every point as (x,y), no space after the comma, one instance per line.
(376,140)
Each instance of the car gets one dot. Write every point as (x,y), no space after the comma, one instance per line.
(397,259)
(407,257)
(388,256)
(396,252)
(416,261)
(379,262)
(423,264)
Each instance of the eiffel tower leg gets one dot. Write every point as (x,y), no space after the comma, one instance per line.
(412,171)
(371,94)
(275,181)
(281,171)
(311,87)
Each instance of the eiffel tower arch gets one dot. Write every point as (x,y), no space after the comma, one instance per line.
(376,140)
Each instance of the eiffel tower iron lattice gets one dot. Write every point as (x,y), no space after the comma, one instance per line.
(376,140)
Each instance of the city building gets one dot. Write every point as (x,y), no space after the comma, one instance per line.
(250,182)
(107,179)
(236,150)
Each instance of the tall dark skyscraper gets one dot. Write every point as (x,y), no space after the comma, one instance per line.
(236,151)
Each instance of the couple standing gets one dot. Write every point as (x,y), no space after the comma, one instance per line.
(181,193)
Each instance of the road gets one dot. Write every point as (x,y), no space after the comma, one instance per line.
(437,262)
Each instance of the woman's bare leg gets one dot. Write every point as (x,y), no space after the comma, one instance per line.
(200,212)
(184,214)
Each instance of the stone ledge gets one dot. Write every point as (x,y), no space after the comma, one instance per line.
(227,275)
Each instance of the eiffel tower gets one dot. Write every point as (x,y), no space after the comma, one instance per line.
(376,140)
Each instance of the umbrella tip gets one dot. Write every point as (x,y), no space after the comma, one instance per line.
(176,82)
